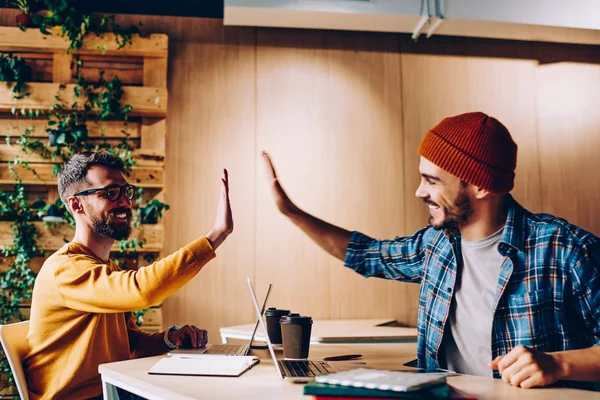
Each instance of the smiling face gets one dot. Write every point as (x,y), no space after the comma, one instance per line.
(446,195)
(108,218)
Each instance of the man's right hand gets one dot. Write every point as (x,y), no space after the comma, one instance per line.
(282,200)
(224,221)
(330,238)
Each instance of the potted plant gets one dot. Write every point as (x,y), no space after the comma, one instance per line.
(153,211)
(53,212)
(14,69)
(67,129)
(23,19)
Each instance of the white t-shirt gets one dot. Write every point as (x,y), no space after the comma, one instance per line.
(467,343)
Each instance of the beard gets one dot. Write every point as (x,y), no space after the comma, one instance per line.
(456,215)
(110,229)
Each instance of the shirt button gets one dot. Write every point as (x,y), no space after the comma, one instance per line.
(439,323)
(449,289)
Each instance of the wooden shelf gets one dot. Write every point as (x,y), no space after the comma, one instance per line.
(142,68)
(11,126)
(145,101)
(54,239)
(142,176)
(32,40)
(143,158)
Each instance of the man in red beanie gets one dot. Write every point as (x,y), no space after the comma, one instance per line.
(504,292)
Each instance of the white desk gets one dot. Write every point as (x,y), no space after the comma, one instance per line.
(336,331)
(263,382)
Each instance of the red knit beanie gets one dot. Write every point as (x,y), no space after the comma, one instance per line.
(475,148)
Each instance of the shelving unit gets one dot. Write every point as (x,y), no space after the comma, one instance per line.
(142,68)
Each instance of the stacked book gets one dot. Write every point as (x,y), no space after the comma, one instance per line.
(369,384)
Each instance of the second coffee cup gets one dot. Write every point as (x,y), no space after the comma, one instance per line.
(273,328)
(295,330)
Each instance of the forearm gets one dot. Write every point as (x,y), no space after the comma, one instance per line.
(330,238)
(143,344)
(579,365)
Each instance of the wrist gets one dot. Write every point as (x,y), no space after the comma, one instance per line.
(169,336)
(216,237)
(562,365)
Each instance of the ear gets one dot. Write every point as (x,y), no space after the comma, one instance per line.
(75,205)
(481,193)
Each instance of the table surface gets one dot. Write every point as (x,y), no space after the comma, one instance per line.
(263,382)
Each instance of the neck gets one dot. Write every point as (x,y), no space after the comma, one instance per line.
(489,216)
(98,244)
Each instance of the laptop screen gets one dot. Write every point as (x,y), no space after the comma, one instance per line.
(262,311)
(262,323)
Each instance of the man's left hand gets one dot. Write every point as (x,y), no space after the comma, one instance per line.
(189,336)
(526,367)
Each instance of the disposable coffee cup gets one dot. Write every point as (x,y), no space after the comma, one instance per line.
(273,328)
(295,331)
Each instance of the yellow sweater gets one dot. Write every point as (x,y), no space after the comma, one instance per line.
(80,316)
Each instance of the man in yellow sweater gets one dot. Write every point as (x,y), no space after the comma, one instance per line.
(80,311)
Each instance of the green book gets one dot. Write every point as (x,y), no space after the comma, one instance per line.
(323,389)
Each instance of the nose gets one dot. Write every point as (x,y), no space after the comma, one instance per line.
(421,193)
(124,201)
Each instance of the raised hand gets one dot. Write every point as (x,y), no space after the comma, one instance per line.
(224,220)
(282,200)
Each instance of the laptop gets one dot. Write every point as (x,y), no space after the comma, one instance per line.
(223,349)
(293,370)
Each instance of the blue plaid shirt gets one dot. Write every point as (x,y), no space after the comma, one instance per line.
(548,293)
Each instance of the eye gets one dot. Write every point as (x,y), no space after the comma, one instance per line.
(113,193)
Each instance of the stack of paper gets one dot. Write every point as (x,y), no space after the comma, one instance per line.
(213,365)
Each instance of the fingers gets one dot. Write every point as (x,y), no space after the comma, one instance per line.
(195,337)
(509,373)
(225,180)
(188,333)
(202,336)
(494,363)
(269,165)
(511,357)
(519,377)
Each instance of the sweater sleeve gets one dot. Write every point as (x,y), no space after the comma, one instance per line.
(144,344)
(89,286)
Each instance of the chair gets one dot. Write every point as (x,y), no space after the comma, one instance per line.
(14,342)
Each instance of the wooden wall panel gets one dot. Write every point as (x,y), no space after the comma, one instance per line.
(568,96)
(328,111)
(439,86)
(211,127)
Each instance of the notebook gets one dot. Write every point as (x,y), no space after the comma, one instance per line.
(222,349)
(393,381)
(204,366)
(293,370)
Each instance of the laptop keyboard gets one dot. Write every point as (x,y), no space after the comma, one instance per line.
(304,368)
(226,349)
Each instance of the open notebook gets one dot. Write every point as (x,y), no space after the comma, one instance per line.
(209,366)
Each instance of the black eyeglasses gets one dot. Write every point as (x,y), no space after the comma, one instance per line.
(112,192)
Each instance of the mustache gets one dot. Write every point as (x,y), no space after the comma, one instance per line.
(429,202)
(122,210)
